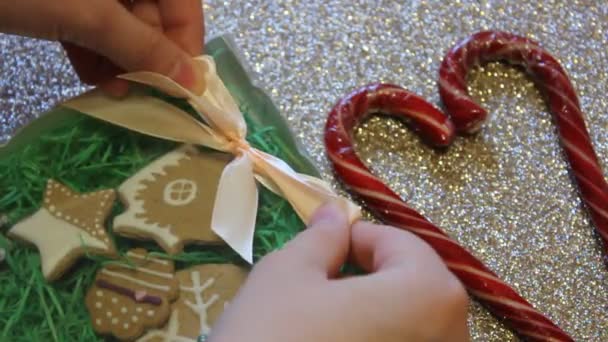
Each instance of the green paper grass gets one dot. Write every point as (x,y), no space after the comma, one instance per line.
(89,155)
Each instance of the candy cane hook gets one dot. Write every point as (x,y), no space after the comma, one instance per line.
(561,98)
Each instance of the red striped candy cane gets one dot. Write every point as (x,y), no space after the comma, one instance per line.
(497,296)
(555,85)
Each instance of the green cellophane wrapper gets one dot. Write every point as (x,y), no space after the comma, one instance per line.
(87,155)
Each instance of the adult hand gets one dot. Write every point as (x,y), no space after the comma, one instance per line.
(296,294)
(107,37)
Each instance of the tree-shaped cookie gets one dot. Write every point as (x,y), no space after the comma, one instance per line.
(67,226)
(128,298)
(205,290)
(171,200)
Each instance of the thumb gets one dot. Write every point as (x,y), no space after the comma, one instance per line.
(133,45)
(324,245)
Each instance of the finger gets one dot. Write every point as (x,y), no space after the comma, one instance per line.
(86,63)
(147,11)
(128,4)
(97,70)
(183,22)
(324,245)
(376,247)
(115,87)
(94,69)
(395,257)
(130,43)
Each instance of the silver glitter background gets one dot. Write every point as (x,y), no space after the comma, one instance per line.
(505,193)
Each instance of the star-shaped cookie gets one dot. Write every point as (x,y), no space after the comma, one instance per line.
(67,226)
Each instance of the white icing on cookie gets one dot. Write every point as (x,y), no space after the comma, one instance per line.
(171,334)
(131,219)
(199,307)
(165,275)
(180,192)
(135,280)
(56,246)
(142,257)
(60,240)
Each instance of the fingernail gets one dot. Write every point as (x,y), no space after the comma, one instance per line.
(330,211)
(189,75)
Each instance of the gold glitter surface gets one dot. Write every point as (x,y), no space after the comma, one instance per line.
(505,193)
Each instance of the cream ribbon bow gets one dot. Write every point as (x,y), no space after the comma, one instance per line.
(223,129)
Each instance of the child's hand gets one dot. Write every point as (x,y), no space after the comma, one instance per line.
(105,37)
(296,294)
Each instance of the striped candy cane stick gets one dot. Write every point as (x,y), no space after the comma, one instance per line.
(560,96)
(498,297)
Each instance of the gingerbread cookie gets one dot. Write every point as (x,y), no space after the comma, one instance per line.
(171,200)
(67,226)
(205,290)
(128,298)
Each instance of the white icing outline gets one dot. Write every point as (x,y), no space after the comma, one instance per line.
(169,189)
(199,307)
(165,275)
(135,280)
(128,220)
(132,254)
(170,335)
(62,239)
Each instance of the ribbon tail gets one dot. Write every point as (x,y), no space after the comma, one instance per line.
(310,180)
(158,81)
(305,193)
(236,205)
(217,95)
(147,115)
(215,105)
(353,211)
(316,182)
(269,184)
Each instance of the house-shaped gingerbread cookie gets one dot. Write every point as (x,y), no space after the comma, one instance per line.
(171,200)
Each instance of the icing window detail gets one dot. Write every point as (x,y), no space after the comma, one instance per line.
(180,192)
